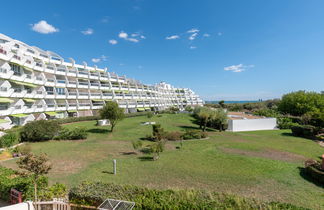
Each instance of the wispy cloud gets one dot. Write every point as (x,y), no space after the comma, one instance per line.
(88,31)
(43,27)
(101,58)
(172,37)
(219,33)
(113,41)
(206,35)
(238,68)
(193,47)
(134,37)
(193,30)
(193,36)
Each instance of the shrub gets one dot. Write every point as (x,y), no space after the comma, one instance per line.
(304,131)
(194,134)
(72,134)
(173,136)
(12,179)
(313,169)
(23,149)
(94,193)
(286,123)
(76,119)
(40,130)
(57,190)
(8,140)
(158,132)
(149,114)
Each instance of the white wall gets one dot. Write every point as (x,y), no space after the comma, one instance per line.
(252,124)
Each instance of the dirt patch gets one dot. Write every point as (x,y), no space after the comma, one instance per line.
(267,153)
(66,166)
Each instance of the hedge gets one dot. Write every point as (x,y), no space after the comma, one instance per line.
(304,130)
(11,179)
(94,193)
(313,169)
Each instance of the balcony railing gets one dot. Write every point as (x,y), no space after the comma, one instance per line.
(83,93)
(72,93)
(50,92)
(61,81)
(95,94)
(83,83)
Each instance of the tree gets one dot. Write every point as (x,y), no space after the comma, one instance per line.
(158,132)
(218,119)
(222,104)
(156,149)
(113,113)
(36,166)
(301,102)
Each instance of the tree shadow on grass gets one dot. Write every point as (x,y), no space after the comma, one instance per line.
(98,130)
(146,158)
(128,153)
(107,172)
(304,175)
(287,134)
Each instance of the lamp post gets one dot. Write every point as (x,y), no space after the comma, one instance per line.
(115,166)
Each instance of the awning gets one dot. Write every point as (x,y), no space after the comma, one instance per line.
(4,121)
(29,100)
(147,109)
(19,115)
(97,100)
(28,69)
(24,83)
(6,100)
(140,109)
(52,114)
(72,111)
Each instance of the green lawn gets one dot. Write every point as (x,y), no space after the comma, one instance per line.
(261,164)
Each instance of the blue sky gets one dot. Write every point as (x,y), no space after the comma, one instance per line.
(222,49)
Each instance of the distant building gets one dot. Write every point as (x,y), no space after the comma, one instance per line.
(37,84)
(239,121)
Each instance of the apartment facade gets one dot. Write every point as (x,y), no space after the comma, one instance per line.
(37,84)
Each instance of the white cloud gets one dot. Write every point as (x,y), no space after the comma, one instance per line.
(193,30)
(88,31)
(206,35)
(101,58)
(44,28)
(123,35)
(133,40)
(95,60)
(113,41)
(219,33)
(238,68)
(193,47)
(172,37)
(193,36)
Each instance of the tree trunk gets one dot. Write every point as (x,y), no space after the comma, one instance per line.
(35,190)
(112,127)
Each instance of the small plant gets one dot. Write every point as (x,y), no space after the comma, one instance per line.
(137,144)
(156,149)
(194,134)
(8,140)
(149,115)
(173,136)
(158,132)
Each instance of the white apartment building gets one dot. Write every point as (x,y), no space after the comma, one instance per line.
(37,84)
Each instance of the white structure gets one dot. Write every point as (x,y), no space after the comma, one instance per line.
(243,122)
(37,84)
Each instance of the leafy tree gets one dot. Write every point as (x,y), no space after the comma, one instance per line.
(158,132)
(222,104)
(218,119)
(36,166)
(206,116)
(40,130)
(113,113)
(301,102)
(156,149)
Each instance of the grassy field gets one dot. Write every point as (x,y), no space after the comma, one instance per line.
(262,164)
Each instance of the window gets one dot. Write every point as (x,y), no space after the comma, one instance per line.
(60,91)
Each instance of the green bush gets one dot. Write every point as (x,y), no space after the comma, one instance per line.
(94,193)
(174,136)
(8,140)
(11,179)
(313,169)
(194,134)
(304,130)
(286,123)
(72,134)
(40,130)
(57,190)
(149,114)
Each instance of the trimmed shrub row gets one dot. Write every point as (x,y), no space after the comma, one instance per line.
(94,193)
(307,131)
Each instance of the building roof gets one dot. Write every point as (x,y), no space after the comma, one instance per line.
(242,116)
